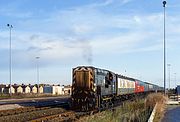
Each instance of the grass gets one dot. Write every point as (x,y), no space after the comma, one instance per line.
(160,99)
(4,96)
(135,111)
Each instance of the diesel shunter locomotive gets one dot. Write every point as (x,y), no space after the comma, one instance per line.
(94,88)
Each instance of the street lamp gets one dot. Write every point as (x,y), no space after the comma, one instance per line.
(175,79)
(10,62)
(37,66)
(169,65)
(164,5)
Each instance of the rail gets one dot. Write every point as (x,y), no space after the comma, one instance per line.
(70,115)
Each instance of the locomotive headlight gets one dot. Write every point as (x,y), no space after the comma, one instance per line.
(94,89)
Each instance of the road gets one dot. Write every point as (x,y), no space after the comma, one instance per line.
(172,114)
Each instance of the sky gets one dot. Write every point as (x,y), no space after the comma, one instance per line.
(123,36)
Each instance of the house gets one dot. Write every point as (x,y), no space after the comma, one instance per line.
(67,90)
(7,89)
(2,88)
(19,89)
(26,89)
(41,89)
(33,89)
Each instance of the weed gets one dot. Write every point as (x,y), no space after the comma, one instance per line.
(135,111)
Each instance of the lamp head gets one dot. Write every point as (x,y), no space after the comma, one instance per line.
(10,26)
(164,3)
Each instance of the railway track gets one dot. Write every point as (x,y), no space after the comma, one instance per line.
(9,112)
(20,110)
(65,116)
(30,113)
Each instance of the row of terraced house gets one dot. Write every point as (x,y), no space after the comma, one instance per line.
(43,89)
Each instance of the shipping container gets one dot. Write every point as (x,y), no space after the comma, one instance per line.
(47,89)
(55,90)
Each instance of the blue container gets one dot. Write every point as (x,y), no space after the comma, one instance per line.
(178,90)
(47,89)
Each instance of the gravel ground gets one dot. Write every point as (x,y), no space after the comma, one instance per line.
(31,115)
(9,106)
(66,118)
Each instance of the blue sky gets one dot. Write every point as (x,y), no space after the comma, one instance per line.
(124,36)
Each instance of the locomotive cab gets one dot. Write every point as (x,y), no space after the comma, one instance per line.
(83,89)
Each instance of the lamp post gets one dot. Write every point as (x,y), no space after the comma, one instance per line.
(164,5)
(37,66)
(175,79)
(10,57)
(169,65)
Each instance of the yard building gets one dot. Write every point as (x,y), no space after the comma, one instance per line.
(2,88)
(67,90)
(19,89)
(41,89)
(7,90)
(26,89)
(57,90)
(33,89)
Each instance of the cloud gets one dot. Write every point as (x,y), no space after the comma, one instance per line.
(107,3)
(95,33)
(83,32)
(81,27)
(125,1)
(34,36)
(100,4)
(10,12)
